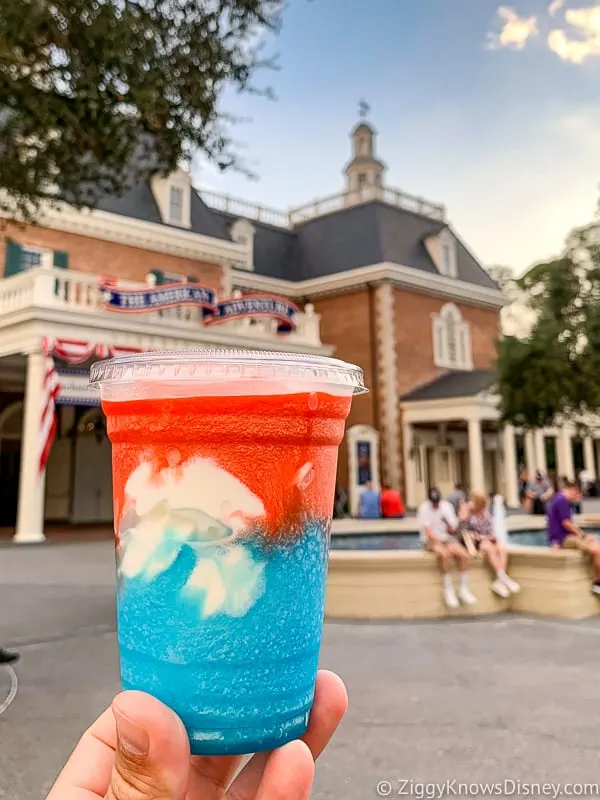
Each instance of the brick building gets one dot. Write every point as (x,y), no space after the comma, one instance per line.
(381,278)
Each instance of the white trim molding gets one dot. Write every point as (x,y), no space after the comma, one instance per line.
(353,279)
(481,406)
(110,227)
(388,384)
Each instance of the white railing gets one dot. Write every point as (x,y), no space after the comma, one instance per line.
(367,194)
(241,208)
(325,205)
(80,292)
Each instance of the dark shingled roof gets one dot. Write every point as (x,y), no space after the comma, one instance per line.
(358,236)
(372,233)
(139,203)
(275,249)
(453,384)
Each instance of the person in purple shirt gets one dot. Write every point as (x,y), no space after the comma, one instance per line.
(563,533)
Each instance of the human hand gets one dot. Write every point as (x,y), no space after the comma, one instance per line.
(139,750)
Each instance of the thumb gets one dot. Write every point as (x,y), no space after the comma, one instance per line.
(153,756)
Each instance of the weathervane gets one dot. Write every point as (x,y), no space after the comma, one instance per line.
(363,109)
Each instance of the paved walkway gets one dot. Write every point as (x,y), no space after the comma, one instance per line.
(504,698)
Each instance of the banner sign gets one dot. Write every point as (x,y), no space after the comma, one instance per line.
(158,298)
(257,306)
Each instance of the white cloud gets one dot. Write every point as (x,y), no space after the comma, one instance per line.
(515,31)
(585,41)
(555,6)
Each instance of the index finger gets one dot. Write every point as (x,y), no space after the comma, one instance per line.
(86,775)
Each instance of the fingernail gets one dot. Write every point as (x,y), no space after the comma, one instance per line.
(133,737)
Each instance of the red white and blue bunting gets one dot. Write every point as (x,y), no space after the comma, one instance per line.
(71,352)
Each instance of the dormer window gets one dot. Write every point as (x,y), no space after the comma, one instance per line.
(446,263)
(451,339)
(176,204)
(172,194)
(443,251)
(448,255)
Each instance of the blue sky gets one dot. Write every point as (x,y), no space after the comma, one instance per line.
(490,109)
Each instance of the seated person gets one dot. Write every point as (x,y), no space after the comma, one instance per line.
(369,504)
(392,506)
(539,491)
(438,523)
(476,521)
(563,533)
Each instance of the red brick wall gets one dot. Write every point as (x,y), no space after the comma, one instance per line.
(346,324)
(414,336)
(107,258)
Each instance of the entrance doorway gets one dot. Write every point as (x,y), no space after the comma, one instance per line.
(92,479)
(11,425)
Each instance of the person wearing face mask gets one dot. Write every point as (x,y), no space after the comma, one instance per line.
(438,522)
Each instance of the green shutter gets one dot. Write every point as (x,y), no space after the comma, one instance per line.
(61,259)
(12,262)
(159,275)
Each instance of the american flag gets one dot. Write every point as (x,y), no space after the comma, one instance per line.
(73,352)
(49,395)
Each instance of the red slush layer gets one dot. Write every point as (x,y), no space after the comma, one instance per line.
(268,442)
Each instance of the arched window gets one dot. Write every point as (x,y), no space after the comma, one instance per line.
(451,339)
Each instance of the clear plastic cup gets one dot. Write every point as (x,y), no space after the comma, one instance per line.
(224,467)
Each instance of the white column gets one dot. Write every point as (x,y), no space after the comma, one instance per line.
(588,457)
(30,514)
(539,445)
(564,454)
(476,456)
(410,470)
(530,464)
(511,477)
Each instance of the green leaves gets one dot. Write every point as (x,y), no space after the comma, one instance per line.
(555,371)
(95,94)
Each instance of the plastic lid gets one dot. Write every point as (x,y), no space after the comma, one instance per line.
(226,365)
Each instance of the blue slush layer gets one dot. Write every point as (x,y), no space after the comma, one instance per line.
(241,684)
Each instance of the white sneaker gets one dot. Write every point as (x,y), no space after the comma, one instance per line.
(500,588)
(450,598)
(512,586)
(466,596)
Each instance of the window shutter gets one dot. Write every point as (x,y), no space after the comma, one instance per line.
(12,261)
(159,275)
(60,259)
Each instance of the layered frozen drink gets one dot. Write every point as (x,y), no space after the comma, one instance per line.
(224,469)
